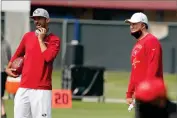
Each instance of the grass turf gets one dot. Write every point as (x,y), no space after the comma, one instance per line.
(116,84)
(115,87)
(86,110)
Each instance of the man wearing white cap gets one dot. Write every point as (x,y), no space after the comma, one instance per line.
(146,56)
(40,47)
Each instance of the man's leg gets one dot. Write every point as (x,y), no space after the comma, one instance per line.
(3,82)
(22,107)
(3,113)
(41,103)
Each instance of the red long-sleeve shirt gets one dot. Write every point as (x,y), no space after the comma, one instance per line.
(37,69)
(146,60)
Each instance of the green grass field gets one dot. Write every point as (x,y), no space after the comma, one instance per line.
(115,87)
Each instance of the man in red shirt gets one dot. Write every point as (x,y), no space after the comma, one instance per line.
(146,56)
(39,49)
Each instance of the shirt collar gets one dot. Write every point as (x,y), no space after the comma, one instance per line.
(48,32)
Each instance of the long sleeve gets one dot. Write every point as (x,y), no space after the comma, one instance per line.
(131,87)
(52,50)
(20,50)
(154,56)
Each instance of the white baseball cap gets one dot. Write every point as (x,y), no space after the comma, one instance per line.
(138,17)
(40,12)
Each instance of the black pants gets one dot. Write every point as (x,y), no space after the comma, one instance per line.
(137,112)
(3,83)
(147,110)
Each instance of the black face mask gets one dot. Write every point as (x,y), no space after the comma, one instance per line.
(137,34)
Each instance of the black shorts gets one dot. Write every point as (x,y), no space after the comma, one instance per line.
(3,83)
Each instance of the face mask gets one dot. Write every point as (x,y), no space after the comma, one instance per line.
(137,34)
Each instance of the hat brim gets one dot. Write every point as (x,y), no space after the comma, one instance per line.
(127,21)
(32,17)
(130,21)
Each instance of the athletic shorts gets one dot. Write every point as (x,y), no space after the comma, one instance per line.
(32,103)
(3,83)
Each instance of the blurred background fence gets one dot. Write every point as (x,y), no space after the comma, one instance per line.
(109,43)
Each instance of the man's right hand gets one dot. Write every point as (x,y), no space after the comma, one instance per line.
(9,72)
(129,101)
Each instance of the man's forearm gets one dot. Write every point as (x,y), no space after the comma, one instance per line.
(42,45)
(130,90)
(9,64)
